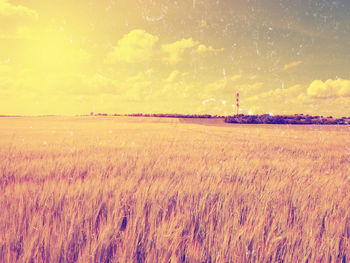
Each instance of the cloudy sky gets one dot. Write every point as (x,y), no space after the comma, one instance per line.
(167,56)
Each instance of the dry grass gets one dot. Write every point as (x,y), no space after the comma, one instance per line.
(158,190)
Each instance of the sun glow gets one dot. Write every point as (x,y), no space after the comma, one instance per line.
(54,51)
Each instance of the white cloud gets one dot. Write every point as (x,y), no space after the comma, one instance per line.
(135,47)
(174,51)
(203,50)
(16,20)
(16,11)
(292,65)
(173,76)
(329,89)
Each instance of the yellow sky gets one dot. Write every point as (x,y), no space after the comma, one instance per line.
(74,57)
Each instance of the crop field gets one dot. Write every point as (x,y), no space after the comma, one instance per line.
(127,189)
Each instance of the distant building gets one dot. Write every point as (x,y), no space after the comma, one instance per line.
(91,114)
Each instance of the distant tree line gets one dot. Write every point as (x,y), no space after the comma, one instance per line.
(286,119)
(249,119)
(161,115)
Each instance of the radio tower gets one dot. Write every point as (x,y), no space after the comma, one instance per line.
(237,100)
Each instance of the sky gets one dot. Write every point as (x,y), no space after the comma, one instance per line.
(164,56)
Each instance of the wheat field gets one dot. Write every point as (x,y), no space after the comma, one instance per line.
(123,189)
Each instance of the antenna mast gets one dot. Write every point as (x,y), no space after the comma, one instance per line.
(237,100)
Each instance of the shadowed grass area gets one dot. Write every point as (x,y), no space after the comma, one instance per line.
(158,190)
